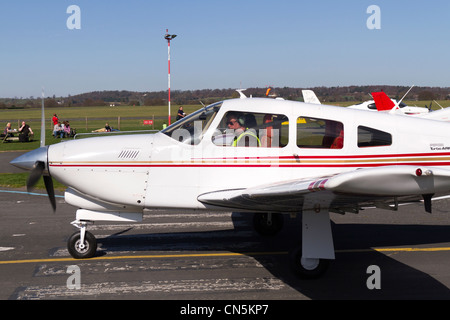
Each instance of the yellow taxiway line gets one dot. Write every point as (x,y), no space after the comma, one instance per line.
(157,256)
(396,250)
(208,255)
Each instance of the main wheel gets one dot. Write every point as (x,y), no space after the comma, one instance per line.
(307,268)
(268,224)
(78,251)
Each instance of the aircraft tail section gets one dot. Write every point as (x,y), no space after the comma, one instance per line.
(382,101)
(310,97)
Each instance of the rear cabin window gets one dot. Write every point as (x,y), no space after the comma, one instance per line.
(250,129)
(370,137)
(319,133)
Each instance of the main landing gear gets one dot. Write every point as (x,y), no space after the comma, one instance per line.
(82,245)
(307,268)
(317,241)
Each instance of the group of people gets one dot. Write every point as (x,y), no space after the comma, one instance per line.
(24,131)
(61,129)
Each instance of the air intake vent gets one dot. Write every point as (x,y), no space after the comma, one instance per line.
(129,154)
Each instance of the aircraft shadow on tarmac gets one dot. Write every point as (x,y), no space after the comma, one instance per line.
(346,277)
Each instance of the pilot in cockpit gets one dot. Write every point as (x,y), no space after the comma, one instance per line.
(242,126)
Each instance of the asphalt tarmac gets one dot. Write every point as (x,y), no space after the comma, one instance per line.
(217,256)
(5,158)
(209,256)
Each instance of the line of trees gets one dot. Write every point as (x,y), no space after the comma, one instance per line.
(206,96)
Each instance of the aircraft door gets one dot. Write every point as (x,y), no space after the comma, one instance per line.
(245,149)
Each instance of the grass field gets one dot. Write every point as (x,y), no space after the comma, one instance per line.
(19,180)
(124,118)
(86,119)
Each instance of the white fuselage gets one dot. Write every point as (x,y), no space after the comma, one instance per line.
(134,172)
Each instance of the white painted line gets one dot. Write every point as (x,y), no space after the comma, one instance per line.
(176,225)
(152,287)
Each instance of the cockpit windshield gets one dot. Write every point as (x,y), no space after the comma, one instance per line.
(190,130)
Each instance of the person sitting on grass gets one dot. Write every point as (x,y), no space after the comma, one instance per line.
(58,130)
(25,132)
(7,132)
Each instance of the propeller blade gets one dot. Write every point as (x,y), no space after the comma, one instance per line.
(35,175)
(50,191)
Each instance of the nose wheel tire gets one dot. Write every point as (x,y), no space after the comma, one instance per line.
(84,250)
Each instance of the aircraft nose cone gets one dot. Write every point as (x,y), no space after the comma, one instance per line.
(28,160)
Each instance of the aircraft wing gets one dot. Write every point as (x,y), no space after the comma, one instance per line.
(440,115)
(383,187)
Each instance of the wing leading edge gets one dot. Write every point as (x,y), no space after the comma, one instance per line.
(383,187)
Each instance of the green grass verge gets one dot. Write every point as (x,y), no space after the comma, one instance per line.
(86,119)
(19,180)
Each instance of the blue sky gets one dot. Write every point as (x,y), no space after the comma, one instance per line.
(220,44)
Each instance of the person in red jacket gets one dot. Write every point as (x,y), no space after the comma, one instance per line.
(55,119)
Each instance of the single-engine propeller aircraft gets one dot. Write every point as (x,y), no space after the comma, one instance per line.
(380,102)
(383,103)
(263,156)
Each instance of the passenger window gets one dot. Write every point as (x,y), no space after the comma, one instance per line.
(319,133)
(369,137)
(249,129)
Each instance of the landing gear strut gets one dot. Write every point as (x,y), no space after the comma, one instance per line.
(82,245)
(312,258)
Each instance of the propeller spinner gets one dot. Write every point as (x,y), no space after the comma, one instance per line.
(36,162)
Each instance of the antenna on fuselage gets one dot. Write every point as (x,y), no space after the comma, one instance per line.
(398,103)
(437,104)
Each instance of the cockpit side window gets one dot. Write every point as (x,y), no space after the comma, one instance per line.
(190,129)
(319,133)
(251,129)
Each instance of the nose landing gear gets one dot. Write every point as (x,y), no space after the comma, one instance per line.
(82,245)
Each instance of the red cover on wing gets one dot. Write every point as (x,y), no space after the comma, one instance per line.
(382,101)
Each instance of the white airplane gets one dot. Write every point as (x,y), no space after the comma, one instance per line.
(380,102)
(292,158)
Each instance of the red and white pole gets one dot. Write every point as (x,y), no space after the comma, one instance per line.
(168,42)
(169,37)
